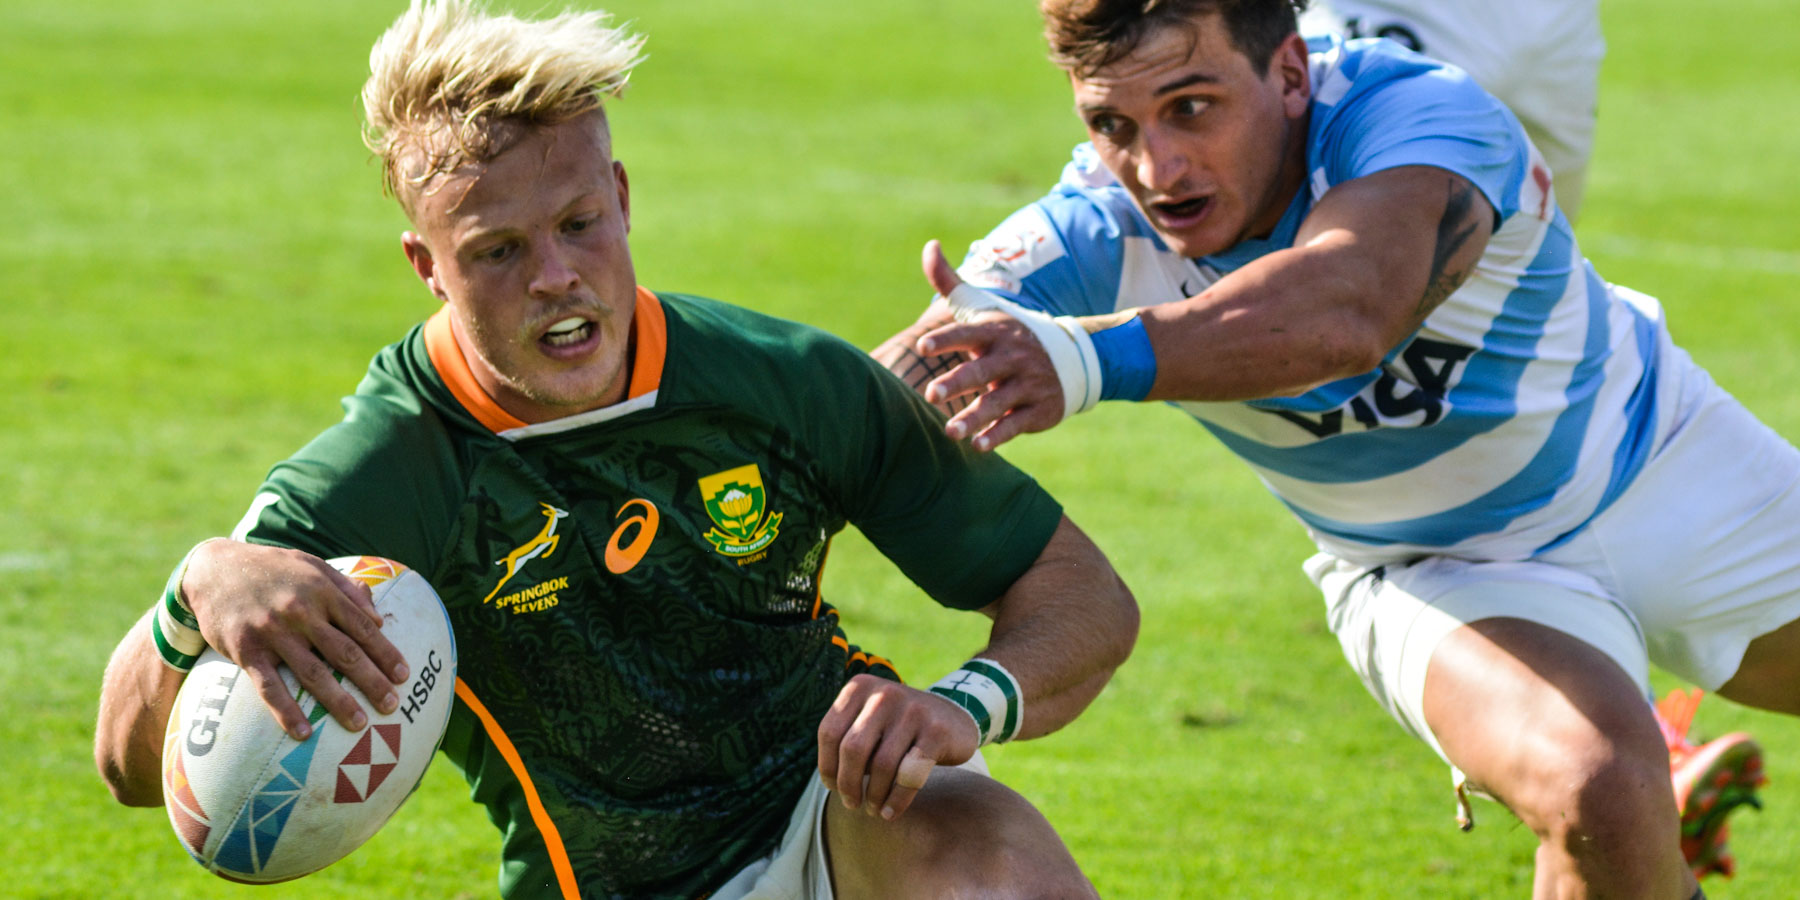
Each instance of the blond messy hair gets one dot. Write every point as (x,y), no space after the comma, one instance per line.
(451,84)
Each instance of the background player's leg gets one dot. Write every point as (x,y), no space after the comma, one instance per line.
(1769,676)
(965,835)
(1554,729)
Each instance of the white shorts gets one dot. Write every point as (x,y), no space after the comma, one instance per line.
(1540,57)
(1699,556)
(798,870)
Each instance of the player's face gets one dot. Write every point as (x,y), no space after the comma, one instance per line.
(529,251)
(1211,149)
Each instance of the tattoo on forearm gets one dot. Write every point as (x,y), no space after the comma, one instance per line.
(917,371)
(1453,232)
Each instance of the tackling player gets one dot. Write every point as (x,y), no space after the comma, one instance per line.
(625,499)
(1347,262)
(1542,59)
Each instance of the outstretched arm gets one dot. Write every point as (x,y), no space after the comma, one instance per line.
(1060,630)
(1375,256)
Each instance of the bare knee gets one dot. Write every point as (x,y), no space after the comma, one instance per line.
(966,837)
(1591,795)
(1005,850)
(1605,818)
(1564,737)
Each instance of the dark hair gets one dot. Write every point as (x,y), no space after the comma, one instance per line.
(1088,35)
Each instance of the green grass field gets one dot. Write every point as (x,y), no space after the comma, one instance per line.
(196,261)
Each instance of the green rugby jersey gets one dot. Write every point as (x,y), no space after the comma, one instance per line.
(643,653)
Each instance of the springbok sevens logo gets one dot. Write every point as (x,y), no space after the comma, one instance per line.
(543,544)
(735,501)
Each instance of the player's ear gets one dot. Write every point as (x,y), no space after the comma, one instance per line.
(623,185)
(1289,65)
(423,265)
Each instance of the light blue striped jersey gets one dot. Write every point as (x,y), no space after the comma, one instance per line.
(1518,411)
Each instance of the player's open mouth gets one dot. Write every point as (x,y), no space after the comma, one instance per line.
(568,332)
(1182,212)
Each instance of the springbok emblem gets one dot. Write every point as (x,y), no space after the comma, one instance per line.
(543,544)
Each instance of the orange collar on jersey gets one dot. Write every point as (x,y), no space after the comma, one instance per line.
(650,345)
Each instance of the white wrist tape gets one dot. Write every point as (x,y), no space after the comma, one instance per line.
(1064,340)
(989,694)
(177,643)
(173,628)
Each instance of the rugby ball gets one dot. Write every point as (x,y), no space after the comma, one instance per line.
(252,804)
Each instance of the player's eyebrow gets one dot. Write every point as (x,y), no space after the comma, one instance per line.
(1184,82)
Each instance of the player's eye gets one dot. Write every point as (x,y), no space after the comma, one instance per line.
(576,226)
(1107,124)
(1189,107)
(495,254)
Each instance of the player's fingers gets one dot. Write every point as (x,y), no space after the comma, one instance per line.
(884,766)
(385,662)
(966,378)
(974,419)
(991,410)
(977,336)
(357,592)
(857,749)
(343,649)
(1004,353)
(1023,420)
(274,694)
(320,679)
(938,271)
(915,769)
(955,337)
(832,729)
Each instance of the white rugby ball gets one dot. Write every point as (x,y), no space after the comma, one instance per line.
(251,804)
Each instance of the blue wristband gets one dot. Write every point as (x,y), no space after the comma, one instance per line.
(1127,364)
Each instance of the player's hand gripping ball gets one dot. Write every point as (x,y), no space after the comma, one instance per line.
(251,804)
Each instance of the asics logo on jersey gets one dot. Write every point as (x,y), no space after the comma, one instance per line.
(622,557)
(736,502)
(543,544)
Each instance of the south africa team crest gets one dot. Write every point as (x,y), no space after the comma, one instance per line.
(737,504)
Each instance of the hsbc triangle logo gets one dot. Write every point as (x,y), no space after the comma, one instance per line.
(368,764)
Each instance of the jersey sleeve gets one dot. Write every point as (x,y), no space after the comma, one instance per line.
(1083,249)
(962,525)
(1402,110)
(378,483)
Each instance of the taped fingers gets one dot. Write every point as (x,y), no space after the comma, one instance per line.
(915,769)
(899,736)
(856,755)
